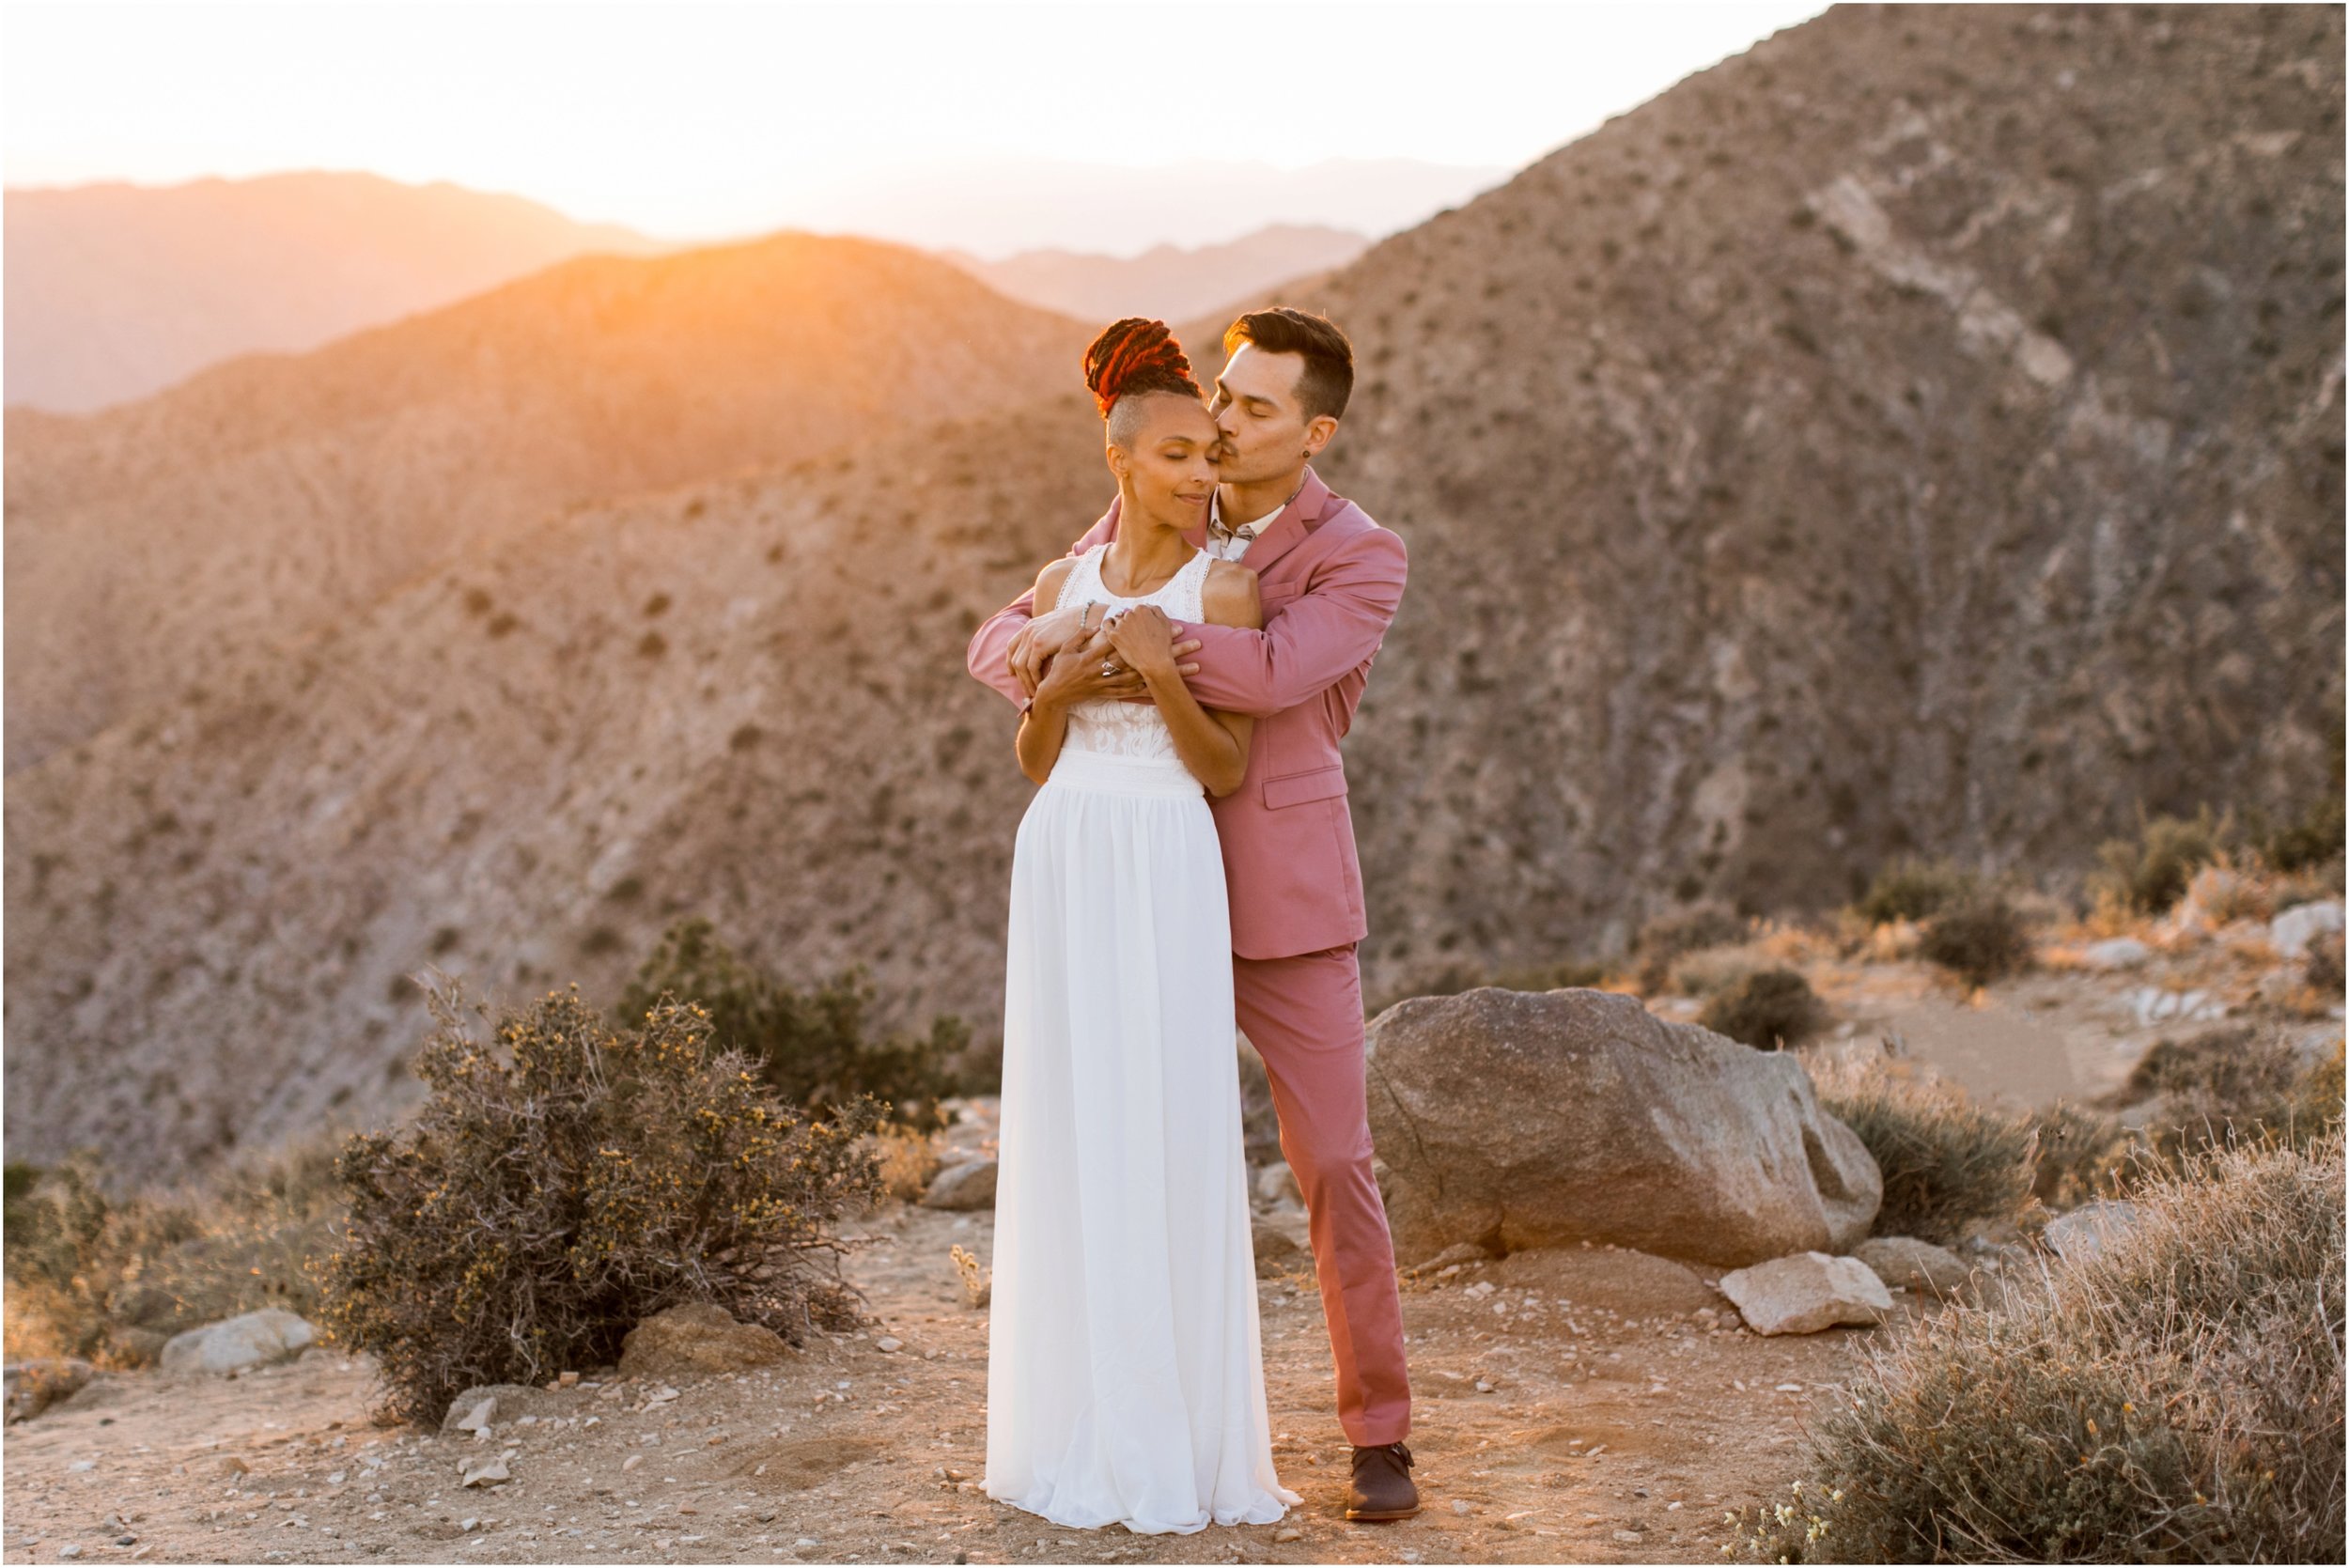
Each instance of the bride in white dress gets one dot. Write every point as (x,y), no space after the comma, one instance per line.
(1126,1370)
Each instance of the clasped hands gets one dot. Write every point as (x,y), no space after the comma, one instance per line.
(1055,660)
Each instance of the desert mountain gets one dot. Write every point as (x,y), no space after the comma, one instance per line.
(1921,431)
(271,496)
(115,291)
(1167,282)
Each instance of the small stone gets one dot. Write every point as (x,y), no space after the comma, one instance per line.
(487,1473)
(1287,1532)
(889,1341)
(83,1464)
(468,1523)
(68,1549)
(631,1461)
(1461,1507)
(1628,1535)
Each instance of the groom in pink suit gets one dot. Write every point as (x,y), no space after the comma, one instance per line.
(1329,579)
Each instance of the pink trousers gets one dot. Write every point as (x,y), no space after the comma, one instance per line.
(1304,1017)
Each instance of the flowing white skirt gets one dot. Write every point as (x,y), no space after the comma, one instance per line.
(1125,1379)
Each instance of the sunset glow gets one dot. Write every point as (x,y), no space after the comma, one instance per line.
(707,120)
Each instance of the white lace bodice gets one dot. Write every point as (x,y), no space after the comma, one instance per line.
(1121,728)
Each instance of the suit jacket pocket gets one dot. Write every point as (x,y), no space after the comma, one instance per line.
(1319,783)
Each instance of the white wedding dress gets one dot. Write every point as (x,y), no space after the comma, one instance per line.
(1125,1379)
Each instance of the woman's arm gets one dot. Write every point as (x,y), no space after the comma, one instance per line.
(1073,676)
(1213,744)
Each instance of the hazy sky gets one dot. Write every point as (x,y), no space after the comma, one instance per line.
(700,121)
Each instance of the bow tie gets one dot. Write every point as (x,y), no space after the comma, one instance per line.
(1216,528)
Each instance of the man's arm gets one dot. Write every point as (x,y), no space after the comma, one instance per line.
(1314,639)
(990,654)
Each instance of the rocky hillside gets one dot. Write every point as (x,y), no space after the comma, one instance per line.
(743,698)
(270,497)
(1922,430)
(116,290)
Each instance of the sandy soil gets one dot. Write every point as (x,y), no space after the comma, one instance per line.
(1614,1429)
(1577,1409)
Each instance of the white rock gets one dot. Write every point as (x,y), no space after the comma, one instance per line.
(235,1345)
(888,1343)
(489,1472)
(2290,932)
(1805,1292)
(2085,1229)
(2117,952)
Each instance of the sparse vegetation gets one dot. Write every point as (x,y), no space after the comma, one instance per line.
(1769,1010)
(567,1180)
(1980,940)
(2242,1082)
(1663,939)
(106,1272)
(2149,872)
(2175,1397)
(1948,1161)
(811,1048)
(1912,888)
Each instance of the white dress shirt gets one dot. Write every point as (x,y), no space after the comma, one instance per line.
(1230,544)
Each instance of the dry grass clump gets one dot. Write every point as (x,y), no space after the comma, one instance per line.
(2241,1082)
(1769,1010)
(2175,1397)
(1979,940)
(568,1180)
(108,1273)
(2149,871)
(1948,1161)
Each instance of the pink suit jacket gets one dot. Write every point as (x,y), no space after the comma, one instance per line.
(1330,579)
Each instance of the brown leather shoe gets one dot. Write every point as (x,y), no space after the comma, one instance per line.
(1382,1486)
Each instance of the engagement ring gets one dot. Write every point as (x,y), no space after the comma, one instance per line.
(1109,667)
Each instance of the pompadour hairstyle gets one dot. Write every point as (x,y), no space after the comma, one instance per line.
(1328,380)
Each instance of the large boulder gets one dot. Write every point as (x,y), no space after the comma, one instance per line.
(239,1344)
(1515,1119)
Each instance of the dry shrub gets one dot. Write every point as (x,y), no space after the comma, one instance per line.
(1769,1010)
(2148,873)
(107,1271)
(1948,1161)
(1663,939)
(908,1161)
(1914,889)
(1981,939)
(2174,1397)
(817,1048)
(549,1196)
(2079,1155)
(2239,1083)
(1709,971)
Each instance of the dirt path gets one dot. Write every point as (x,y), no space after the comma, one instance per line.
(1569,1405)
(1615,1428)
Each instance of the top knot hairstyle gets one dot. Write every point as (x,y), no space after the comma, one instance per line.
(1132,355)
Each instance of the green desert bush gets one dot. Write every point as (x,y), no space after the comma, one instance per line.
(1663,939)
(107,1270)
(1769,1010)
(1912,888)
(564,1180)
(2149,871)
(2175,1396)
(1979,940)
(1948,1161)
(815,1048)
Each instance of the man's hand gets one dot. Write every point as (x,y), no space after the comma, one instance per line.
(1034,644)
(1076,674)
(1144,639)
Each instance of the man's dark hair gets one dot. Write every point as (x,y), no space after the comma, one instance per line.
(1328,380)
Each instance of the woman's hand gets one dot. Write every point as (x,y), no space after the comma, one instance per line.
(1075,675)
(1144,639)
